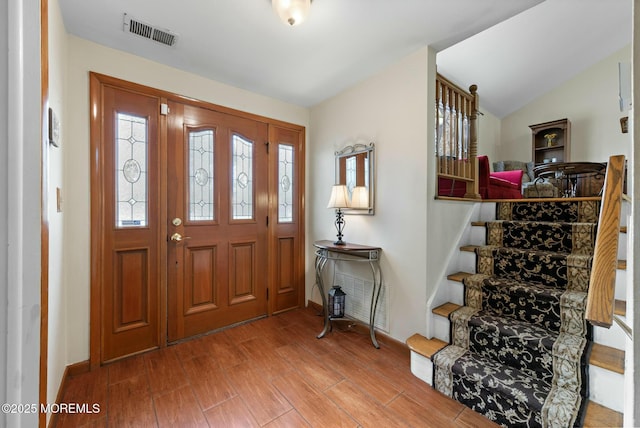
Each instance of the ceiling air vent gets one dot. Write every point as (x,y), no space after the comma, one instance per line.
(142,29)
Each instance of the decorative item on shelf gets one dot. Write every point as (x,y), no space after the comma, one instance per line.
(551,139)
(336,302)
(339,199)
(359,198)
(292,12)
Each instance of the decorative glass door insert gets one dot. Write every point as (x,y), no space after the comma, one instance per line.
(131,171)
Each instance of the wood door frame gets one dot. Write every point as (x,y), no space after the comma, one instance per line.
(96,81)
(44,215)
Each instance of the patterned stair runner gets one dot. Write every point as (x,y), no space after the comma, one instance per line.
(519,345)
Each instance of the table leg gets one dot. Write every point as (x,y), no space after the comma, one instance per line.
(375,295)
(320,264)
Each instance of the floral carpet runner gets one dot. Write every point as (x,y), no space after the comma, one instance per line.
(518,351)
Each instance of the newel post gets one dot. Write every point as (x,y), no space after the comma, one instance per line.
(472,186)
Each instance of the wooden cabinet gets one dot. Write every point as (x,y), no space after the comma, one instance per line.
(551,141)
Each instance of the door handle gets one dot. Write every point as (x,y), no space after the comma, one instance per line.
(176,237)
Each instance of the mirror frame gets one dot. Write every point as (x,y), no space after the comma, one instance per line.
(357,149)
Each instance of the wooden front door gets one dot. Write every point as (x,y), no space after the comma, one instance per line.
(194,218)
(217,214)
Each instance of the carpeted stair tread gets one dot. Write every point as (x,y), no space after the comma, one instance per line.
(562,237)
(520,344)
(502,393)
(529,302)
(492,375)
(584,211)
(542,267)
(510,342)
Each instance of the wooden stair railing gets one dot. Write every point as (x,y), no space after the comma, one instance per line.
(601,294)
(456,134)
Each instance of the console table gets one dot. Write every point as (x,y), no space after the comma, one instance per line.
(352,253)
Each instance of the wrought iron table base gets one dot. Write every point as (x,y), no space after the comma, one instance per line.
(326,251)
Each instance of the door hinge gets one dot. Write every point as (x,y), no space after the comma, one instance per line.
(267,294)
(267,220)
(267,145)
(164,109)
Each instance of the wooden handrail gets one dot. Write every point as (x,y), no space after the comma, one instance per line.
(601,294)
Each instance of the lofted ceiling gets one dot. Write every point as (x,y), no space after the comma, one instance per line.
(529,54)
(512,49)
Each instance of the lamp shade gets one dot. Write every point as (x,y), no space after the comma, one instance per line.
(360,198)
(292,12)
(339,197)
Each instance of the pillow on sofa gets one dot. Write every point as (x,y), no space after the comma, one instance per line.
(514,176)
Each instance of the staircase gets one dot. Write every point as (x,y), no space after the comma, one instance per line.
(510,340)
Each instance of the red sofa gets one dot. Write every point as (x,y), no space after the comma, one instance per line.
(491,185)
(498,185)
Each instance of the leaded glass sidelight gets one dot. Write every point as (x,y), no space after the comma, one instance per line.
(201,175)
(242,182)
(285,180)
(131,171)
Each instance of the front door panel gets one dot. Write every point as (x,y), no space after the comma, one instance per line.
(217,182)
(129,238)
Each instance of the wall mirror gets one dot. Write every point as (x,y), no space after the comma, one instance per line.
(355,169)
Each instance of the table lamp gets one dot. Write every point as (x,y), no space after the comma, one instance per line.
(339,199)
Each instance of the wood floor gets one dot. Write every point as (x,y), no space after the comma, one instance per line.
(272,372)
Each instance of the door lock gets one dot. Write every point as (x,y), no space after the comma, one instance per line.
(176,221)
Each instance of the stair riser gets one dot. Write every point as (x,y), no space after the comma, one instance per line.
(606,388)
(613,336)
(455,292)
(621,285)
(622,247)
(477,236)
(441,328)
(422,367)
(466,261)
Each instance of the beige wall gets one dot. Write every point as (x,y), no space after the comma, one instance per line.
(56,356)
(589,101)
(83,57)
(393,110)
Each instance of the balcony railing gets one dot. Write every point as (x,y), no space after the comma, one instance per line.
(456,136)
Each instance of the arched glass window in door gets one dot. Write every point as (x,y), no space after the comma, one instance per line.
(131,171)
(201,175)
(286,184)
(242,182)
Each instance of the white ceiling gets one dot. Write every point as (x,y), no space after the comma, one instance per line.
(531,53)
(243,43)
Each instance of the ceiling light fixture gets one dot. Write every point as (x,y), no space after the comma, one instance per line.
(292,12)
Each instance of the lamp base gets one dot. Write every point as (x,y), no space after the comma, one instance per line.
(339,226)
